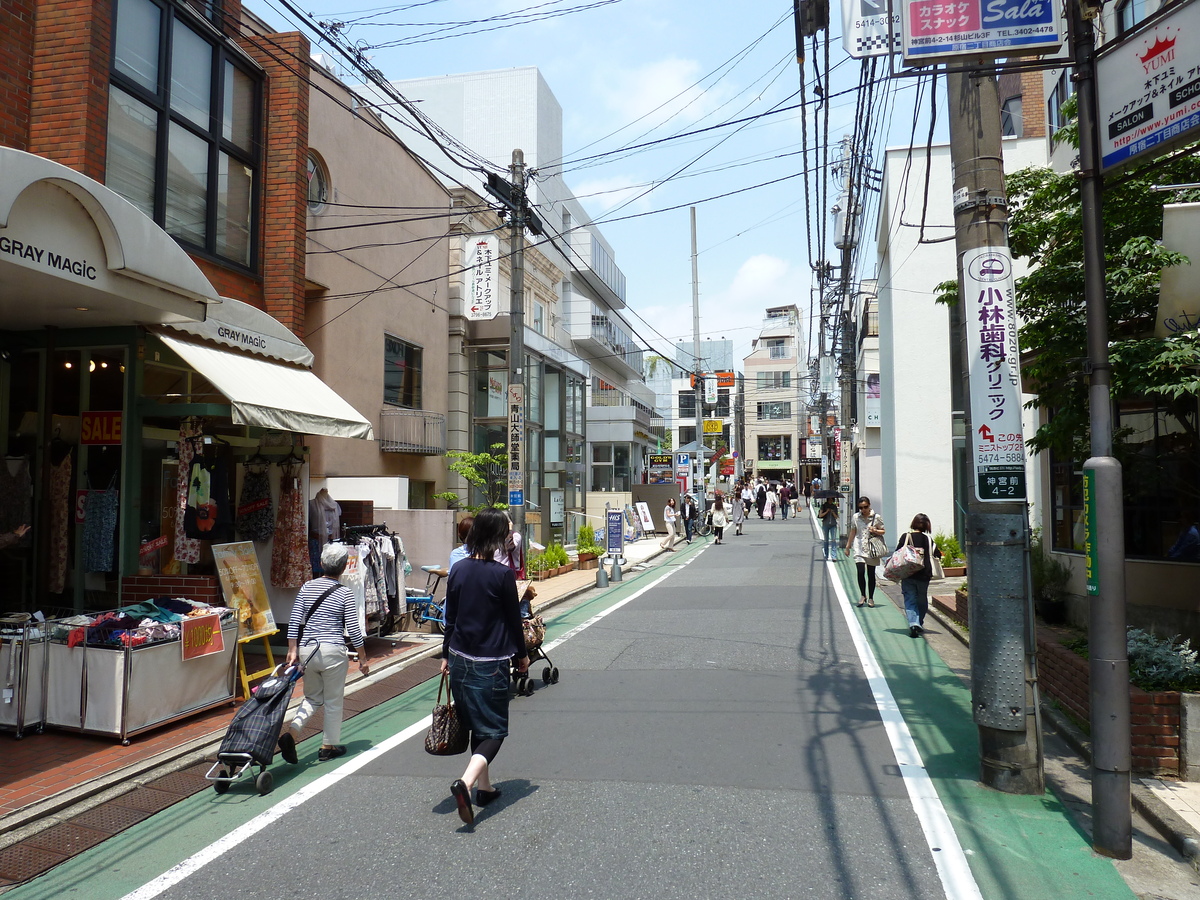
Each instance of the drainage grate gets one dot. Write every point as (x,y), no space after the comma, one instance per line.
(148,799)
(110,818)
(21,862)
(66,839)
(185,783)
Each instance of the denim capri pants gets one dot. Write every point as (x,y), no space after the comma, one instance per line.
(480,691)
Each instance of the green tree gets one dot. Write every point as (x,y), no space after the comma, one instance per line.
(1046,228)
(486,475)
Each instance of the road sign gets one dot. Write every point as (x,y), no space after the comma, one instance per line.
(481,254)
(937,30)
(516,498)
(1148,89)
(867,27)
(990,313)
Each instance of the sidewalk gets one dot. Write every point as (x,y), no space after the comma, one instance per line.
(62,792)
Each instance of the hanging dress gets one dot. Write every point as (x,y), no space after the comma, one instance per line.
(255,515)
(60,522)
(187,549)
(100,529)
(290,566)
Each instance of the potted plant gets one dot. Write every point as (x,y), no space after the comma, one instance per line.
(954,563)
(536,566)
(557,558)
(588,550)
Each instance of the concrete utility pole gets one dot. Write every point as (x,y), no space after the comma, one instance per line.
(1112,824)
(1003,648)
(516,346)
(698,385)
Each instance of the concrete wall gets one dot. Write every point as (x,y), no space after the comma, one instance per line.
(428,536)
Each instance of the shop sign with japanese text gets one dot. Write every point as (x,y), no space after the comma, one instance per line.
(516,445)
(1148,88)
(935,30)
(482,265)
(868,29)
(990,313)
(201,636)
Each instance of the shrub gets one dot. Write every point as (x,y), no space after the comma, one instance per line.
(1050,577)
(556,555)
(585,542)
(952,554)
(1161,664)
(536,563)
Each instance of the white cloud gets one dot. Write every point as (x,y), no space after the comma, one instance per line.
(631,93)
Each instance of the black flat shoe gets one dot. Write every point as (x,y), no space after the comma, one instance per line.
(325,754)
(483,798)
(462,796)
(914,631)
(287,748)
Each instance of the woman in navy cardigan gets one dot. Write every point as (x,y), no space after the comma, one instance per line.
(483,636)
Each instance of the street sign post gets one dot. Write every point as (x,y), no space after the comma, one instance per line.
(990,314)
(516,445)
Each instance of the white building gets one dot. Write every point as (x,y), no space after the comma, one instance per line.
(776,373)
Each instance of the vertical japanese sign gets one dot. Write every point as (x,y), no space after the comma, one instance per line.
(481,262)
(990,313)
(1090,551)
(516,445)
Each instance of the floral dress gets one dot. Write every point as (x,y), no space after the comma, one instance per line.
(187,550)
(290,565)
(255,517)
(60,520)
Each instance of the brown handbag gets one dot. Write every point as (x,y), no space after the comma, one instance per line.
(446,736)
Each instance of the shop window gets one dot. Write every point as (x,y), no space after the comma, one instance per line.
(1011,123)
(775,410)
(401,373)
(1129,14)
(611,468)
(183,128)
(774,449)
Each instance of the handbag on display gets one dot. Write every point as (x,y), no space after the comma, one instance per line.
(907,560)
(446,735)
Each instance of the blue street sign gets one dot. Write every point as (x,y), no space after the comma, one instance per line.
(615,532)
(516,498)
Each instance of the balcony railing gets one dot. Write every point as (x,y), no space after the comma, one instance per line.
(870,326)
(412,431)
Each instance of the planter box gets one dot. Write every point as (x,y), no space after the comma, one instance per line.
(585,564)
(954,571)
(957,608)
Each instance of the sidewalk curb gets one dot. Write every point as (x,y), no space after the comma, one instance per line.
(1168,823)
(28,821)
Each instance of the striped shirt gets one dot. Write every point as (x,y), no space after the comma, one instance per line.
(337,615)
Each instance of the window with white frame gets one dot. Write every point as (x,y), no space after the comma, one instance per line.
(780,409)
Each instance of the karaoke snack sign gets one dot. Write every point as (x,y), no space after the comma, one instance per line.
(1148,89)
(936,30)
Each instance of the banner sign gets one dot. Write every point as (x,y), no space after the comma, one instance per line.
(1148,89)
(614,532)
(100,427)
(934,30)
(516,445)
(201,636)
(482,265)
(659,469)
(867,27)
(244,589)
(990,313)
(1090,550)
(710,389)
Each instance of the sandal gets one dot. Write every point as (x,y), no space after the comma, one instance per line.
(861,602)
(871,603)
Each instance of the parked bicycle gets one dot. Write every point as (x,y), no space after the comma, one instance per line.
(423,605)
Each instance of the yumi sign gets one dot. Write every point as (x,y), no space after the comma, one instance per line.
(1148,88)
(935,30)
(993,362)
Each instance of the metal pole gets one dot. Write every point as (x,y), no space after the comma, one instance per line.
(1002,655)
(516,336)
(698,387)
(1112,825)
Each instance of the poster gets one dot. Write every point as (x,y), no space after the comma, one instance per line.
(647,520)
(244,589)
(659,470)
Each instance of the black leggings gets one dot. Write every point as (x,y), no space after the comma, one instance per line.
(485,747)
(866,581)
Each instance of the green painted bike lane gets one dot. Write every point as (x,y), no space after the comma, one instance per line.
(145,851)
(1018,847)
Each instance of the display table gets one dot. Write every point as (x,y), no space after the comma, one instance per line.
(123,691)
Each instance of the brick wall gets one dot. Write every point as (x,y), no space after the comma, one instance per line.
(285,173)
(68,120)
(16,72)
(1153,715)
(139,588)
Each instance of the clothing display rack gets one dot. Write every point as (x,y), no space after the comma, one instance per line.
(377,576)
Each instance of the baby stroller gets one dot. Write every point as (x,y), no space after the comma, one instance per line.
(254,733)
(535,635)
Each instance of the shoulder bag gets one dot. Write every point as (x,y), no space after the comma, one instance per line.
(876,548)
(312,609)
(446,735)
(907,560)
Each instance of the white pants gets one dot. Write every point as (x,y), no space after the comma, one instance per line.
(668,542)
(324,686)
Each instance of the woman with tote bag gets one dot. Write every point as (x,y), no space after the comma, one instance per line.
(865,542)
(916,586)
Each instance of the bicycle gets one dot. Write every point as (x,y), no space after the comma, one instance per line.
(424,607)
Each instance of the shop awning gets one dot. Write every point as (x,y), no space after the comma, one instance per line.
(271,395)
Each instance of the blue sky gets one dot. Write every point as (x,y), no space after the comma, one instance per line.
(632,71)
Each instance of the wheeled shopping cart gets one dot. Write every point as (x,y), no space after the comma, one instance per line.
(535,635)
(254,733)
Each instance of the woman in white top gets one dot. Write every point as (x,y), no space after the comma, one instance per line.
(668,543)
(720,518)
(865,525)
(772,502)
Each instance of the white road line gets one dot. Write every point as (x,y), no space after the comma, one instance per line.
(947,852)
(217,848)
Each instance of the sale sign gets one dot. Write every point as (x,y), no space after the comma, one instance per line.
(100,427)
(201,636)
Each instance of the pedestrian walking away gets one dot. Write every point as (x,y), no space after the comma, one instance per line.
(719,519)
(772,503)
(323,616)
(785,500)
(864,542)
(808,489)
(916,586)
(828,515)
(483,636)
(739,515)
(760,498)
(669,517)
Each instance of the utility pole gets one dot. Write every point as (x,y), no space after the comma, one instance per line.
(1003,646)
(698,378)
(1112,825)
(516,347)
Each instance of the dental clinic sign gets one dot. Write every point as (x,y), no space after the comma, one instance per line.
(1148,88)
(993,362)
(936,30)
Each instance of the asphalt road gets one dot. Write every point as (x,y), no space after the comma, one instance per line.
(713,737)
